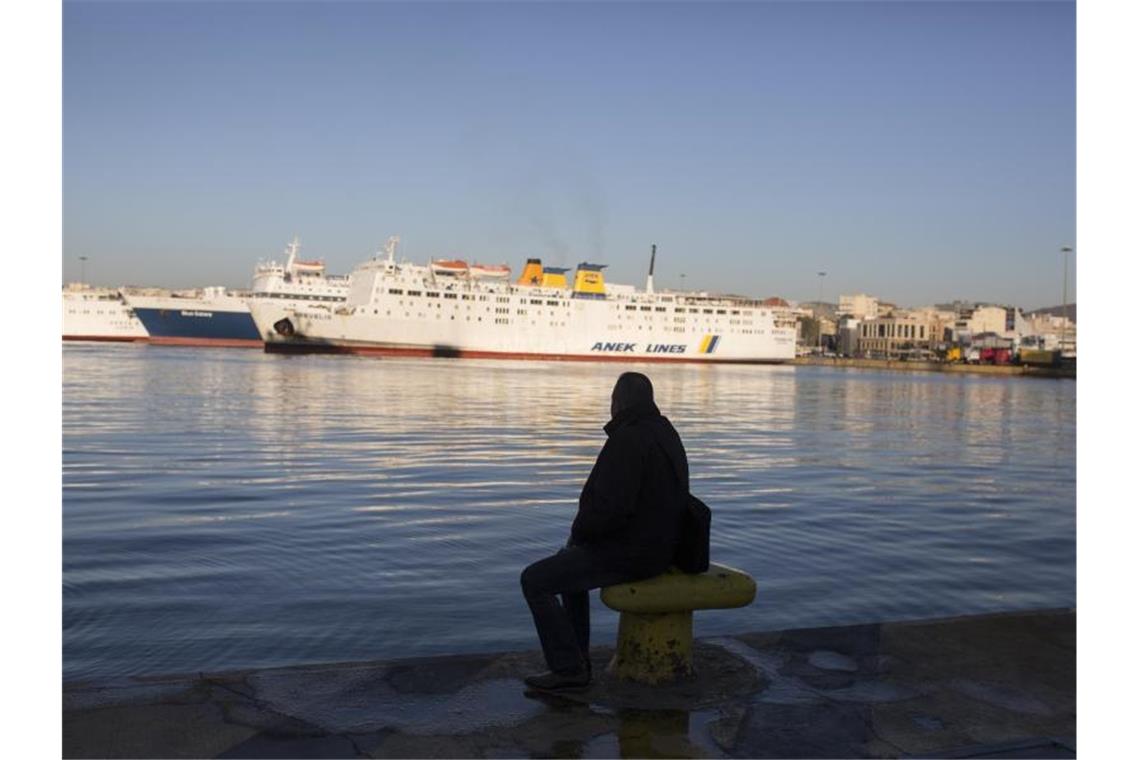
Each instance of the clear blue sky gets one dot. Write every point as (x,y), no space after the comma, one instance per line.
(917,151)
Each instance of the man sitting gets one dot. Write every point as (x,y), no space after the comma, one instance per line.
(626,529)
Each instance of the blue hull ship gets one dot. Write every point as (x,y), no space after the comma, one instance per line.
(193,324)
(215,317)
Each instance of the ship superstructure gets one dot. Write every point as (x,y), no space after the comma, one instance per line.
(214,316)
(399,308)
(91,313)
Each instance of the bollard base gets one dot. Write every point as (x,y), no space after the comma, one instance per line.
(653,648)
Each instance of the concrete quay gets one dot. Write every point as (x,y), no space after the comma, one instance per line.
(983,686)
(951,368)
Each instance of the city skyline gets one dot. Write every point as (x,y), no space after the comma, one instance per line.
(919,152)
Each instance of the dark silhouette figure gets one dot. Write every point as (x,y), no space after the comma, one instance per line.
(626,529)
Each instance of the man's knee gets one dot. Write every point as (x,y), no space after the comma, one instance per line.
(529,580)
(544,577)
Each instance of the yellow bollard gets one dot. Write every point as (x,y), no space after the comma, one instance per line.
(654,648)
(655,631)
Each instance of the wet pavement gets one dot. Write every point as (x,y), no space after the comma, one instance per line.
(985,686)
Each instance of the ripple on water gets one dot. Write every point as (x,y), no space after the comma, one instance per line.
(230,509)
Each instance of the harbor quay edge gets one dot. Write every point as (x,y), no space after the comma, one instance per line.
(993,685)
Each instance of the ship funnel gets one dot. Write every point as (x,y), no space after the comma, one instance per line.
(652,260)
(554,277)
(531,273)
(589,281)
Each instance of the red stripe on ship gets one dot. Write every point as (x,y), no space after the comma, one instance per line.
(109,338)
(446,352)
(208,342)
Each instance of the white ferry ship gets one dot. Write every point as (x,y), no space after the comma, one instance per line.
(452,309)
(91,313)
(216,317)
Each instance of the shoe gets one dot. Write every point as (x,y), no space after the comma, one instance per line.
(578,679)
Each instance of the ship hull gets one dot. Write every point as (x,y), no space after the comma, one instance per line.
(193,325)
(452,352)
(598,331)
(100,315)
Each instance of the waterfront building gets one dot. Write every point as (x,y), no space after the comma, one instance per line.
(847,336)
(859,306)
(939,323)
(893,336)
(1051,332)
(1006,321)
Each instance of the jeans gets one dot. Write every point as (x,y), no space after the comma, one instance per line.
(564,628)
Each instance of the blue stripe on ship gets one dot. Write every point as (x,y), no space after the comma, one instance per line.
(198,323)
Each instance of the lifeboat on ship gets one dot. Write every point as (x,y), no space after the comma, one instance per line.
(450,267)
(491,271)
(308,267)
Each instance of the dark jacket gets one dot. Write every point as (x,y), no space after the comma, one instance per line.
(633,499)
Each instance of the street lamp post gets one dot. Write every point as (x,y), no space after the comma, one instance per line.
(819,317)
(1065,251)
(83,269)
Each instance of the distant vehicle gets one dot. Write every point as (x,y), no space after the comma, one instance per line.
(1039,357)
(991,355)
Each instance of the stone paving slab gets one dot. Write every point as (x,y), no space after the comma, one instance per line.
(984,686)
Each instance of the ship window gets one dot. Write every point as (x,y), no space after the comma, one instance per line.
(449,295)
(647,308)
(431,294)
(720,311)
(707,311)
(396,291)
(736,311)
(631,308)
(659,308)
(551,303)
(466,297)
(537,301)
(413,292)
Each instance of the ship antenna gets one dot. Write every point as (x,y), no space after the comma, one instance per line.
(292,248)
(390,248)
(649,279)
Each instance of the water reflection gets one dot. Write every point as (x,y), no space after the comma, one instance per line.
(235,509)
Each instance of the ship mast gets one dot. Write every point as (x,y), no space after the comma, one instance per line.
(292,249)
(390,248)
(649,279)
